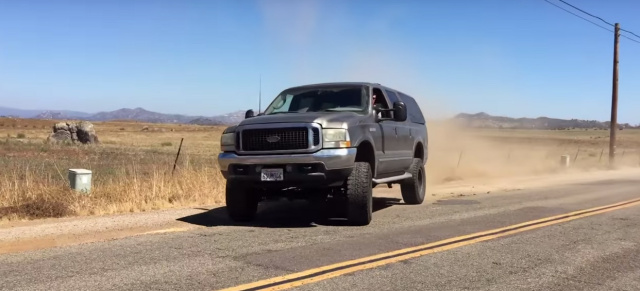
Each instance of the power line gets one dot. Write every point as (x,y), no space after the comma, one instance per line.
(585,12)
(598,25)
(638,36)
(629,38)
(631,32)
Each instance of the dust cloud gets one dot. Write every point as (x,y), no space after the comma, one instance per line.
(457,153)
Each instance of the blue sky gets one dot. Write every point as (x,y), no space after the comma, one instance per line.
(505,57)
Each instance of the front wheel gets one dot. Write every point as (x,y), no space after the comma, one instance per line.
(359,194)
(242,203)
(413,189)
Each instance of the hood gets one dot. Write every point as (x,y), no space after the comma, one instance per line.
(325,119)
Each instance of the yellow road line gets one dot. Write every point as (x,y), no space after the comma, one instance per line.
(338,269)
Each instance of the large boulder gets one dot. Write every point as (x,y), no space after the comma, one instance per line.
(85,132)
(82,132)
(60,126)
(60,136)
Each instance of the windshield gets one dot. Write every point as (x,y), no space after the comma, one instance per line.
(320,99)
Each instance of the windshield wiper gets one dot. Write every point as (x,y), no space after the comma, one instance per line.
(341,109)
(281,112)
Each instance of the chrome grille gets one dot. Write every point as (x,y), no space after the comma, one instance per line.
(275,139)
(316,136)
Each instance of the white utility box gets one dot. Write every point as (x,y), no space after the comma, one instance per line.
(80,180)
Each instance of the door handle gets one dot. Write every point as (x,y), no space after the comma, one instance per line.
(396,129)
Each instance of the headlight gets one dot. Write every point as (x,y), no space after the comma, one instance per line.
(335,138)
(228,139)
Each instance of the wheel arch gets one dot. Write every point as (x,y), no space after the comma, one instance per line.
(419,151)
(366,153)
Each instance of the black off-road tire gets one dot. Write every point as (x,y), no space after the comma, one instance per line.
(359,195)
(413,189)
(242,203)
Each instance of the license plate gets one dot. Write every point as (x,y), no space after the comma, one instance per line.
(272,175)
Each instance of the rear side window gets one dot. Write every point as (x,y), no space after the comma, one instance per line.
(392,97)
(414,114)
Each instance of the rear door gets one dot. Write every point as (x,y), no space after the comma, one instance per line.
(415,121)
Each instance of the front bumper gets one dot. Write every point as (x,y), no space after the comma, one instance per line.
(328,167)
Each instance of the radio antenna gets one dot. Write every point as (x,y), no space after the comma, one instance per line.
(260,96)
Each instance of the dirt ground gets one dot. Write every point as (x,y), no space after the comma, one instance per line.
(133,165)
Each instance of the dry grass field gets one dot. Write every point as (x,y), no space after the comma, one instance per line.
(132,167)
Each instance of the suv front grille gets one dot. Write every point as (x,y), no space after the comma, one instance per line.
(276,139)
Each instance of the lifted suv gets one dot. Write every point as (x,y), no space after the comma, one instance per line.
(321,141)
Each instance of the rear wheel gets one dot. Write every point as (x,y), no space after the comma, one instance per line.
(414,188)
(242,203)
(359,194)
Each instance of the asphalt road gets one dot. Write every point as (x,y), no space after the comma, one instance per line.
(599,251)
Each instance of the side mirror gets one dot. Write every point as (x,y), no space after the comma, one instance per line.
(249,114)
(399,111)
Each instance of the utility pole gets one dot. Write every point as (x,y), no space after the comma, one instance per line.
(614,99)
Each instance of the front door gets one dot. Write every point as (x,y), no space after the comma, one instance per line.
(390,161)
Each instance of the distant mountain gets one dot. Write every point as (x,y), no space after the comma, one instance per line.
(137,114)
(484,120)
(52,115)
(140,114)
(27,113)
(231,118)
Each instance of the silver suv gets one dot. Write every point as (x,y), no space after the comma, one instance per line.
(321,142)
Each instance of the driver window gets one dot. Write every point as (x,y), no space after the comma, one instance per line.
(381,102)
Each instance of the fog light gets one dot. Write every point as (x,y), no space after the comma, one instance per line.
(289,168)
(241,169)
(308,169)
